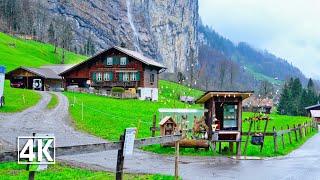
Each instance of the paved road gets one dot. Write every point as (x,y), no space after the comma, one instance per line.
(303,163)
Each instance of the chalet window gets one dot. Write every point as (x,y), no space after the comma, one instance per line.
(109,61)
(151,78)
(99,76)
(107,76)
(133,76)
(125,76)
(123,61)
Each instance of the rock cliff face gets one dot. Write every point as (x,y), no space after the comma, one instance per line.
(163,29)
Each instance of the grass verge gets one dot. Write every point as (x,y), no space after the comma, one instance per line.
(17,100)
(53,101)
(13,171)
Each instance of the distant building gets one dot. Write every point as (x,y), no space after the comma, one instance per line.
(117,67)
(43,78)
(256,104)
(312,108)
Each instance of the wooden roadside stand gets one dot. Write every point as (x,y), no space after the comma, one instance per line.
(167,126)
(224,117)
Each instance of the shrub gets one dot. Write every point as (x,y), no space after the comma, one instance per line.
(117,89)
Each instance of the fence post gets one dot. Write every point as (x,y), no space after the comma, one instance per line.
(295,132)
(82,111)
(305,129)
(300,130)
(154,122)
(289,133)
(282,138)
(275,140)
(176,163)
(120,159)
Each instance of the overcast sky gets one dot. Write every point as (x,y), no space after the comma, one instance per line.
(287,28)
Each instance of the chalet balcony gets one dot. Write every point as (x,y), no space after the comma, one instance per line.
(116,83)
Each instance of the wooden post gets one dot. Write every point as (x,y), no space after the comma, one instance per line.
(220,150)
(305,130)
(282,138)
(120,160)
(176,163)
(295,132)
(289,133)
(264,133)
(231,147)
(31,173)
(275,140)
(154,122)
(238,149)
(248,136)
(300,130)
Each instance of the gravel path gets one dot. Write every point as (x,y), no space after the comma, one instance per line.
(303,163)
(39,119)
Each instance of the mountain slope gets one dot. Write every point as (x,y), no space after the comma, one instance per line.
(261,64)
(15,52)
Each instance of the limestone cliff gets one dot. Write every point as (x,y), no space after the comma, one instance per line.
(163,29)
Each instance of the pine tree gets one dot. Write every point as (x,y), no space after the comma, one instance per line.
(284,100)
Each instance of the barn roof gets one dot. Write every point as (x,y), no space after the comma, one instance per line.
(312,107)
(47,72)
(133,54)
(210,94)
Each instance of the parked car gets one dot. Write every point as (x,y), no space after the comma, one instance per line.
(17,84)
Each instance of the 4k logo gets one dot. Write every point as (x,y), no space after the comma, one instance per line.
(36,150)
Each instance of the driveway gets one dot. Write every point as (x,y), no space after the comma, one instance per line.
(303,163)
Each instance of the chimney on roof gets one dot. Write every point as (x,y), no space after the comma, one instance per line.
(123,45)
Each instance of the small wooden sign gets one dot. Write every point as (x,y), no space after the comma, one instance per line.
(129,141)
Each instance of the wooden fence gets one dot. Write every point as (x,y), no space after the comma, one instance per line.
(99,147)
(294,133)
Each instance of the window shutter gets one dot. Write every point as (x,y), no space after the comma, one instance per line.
(120,76)
(93,77)
(111,76)
(138,76)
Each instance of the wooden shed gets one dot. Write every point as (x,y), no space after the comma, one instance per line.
(167,126)
(224,115)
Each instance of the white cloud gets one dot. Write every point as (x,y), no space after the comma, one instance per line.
(288,28)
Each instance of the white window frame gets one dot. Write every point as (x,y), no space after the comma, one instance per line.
(133,76)
(99,76)
(125,76)
(109,61)
(123,61)
(106,76)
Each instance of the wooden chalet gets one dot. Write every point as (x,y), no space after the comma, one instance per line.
(224,115)
(47,76)
(117,67)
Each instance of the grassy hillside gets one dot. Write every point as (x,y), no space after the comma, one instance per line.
(18,99)
(15,52)
(108,117)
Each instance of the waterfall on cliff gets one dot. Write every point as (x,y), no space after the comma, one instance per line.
(135,33)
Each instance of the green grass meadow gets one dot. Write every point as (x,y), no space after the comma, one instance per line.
(108,117)
(17,100)
(17,52)
(53,101)
(14,171)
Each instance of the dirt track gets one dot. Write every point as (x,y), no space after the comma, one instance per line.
(303,163)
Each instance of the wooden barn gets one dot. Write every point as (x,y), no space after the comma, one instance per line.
(224,115)
(117,67)
(43,78)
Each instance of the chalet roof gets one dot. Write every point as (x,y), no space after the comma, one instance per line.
(312,107)
(315,113)
(165,119)
(140,57)
(47,72)
(133,54)
(210,94)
